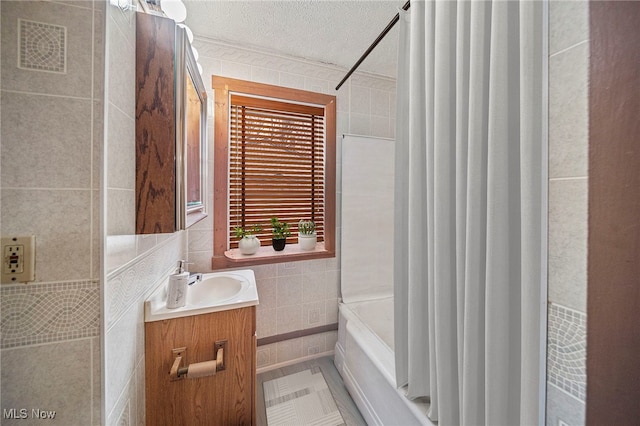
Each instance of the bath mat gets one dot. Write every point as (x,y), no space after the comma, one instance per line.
(301,399)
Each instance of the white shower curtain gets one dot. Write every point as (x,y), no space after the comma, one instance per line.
(468,219)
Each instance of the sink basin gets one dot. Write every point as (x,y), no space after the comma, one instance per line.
(220,288)
(218,291)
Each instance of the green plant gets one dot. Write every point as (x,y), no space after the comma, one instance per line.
(280,229)
(244,232)
(306,227)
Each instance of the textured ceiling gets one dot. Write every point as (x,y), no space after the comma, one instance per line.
(334,32)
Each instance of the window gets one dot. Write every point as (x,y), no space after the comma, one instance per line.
(274,156)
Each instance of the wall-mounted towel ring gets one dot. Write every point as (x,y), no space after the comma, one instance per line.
(198,369)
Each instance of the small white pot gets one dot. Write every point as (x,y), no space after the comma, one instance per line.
(249,244)
(307,242)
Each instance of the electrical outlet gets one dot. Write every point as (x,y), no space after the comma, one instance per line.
(313,350)
(18,259)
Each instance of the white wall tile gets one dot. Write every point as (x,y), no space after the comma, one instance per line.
(315,344)
(568,112)
(266,323)
(289,290)
(200,240)
(294,81)
(332,284)
(360,100)
(121,347)
(77,81)
(267,293)
(360,124)
(380,126)
(235,70)
(316,85)
(314,314)
(54,149)
(331,308)
(343,98)
(121,216)
(265,75)
(568,243)
(289,350)
(289,268)
(121,151)
(313,286)
(380,102)
(265,271)
(568,23)
(52,377)
(289,318)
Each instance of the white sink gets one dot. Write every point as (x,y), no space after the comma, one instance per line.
(218,291)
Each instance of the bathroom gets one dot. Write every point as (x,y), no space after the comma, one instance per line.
(73,341)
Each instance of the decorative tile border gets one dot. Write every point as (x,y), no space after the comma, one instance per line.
(127,284)
(49,312)
(567,350)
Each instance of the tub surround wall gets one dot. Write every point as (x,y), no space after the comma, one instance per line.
(51,188)
(568,147)
(295,295)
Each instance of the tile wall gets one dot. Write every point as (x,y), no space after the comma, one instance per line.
(52,109)
(298,295)
(135,265)
(568,174)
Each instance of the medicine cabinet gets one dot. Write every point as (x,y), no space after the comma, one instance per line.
(171,116)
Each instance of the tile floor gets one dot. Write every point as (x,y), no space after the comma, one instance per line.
(347,407)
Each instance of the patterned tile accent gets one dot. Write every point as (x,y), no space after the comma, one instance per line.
(42,47)
(127,284)
(567,350)
(51,312)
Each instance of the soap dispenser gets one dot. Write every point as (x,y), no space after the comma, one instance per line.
(177,291)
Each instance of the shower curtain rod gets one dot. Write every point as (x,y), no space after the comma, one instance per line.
(374,44)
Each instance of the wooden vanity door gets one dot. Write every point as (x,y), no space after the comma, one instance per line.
(227,398)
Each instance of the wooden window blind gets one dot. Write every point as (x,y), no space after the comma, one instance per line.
(276,166)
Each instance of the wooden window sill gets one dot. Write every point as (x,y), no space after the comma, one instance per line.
(266,254)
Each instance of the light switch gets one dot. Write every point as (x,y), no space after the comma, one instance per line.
(18,259)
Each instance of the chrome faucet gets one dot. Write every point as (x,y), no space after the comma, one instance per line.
(194,277)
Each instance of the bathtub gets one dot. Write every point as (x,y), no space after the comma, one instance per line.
(364,351)
(364,357)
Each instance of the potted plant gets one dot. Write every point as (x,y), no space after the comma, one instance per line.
(249,243)
(280,234)
(307,237)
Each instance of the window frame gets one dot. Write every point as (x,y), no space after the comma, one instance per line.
(223,257)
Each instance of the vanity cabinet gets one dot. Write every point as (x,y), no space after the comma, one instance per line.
(226,398)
